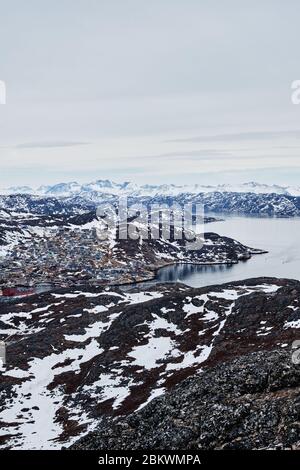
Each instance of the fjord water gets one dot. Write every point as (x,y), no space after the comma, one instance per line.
(279,236)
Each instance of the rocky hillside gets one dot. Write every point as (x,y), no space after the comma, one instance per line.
(249,403)
(75,357)
(218,201)
(274,205)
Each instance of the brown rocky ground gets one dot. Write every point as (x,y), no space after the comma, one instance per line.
(75,357)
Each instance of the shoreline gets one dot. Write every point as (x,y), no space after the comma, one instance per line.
(150,278)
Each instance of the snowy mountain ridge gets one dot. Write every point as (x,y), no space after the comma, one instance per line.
(70,189)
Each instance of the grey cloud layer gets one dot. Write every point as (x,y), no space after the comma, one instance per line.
(153,78)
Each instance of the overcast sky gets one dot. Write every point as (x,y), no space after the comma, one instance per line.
(183,91)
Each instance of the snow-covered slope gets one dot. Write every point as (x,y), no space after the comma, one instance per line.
(75,356)
(254,203)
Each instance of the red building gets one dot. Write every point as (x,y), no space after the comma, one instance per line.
(16,291)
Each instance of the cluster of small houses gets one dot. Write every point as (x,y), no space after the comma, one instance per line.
(67,258)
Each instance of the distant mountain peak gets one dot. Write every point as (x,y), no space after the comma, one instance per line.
(106,186)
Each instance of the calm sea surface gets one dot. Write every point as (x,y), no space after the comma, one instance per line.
(281,237)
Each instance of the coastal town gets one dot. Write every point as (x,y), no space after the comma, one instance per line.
(43,259)
(64,258)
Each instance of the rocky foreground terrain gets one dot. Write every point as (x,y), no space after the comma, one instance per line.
(175,367)
(249,403)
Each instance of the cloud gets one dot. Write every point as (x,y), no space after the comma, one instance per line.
(41,145)
(191,154)
(260,135)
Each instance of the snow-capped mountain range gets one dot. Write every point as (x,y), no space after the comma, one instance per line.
(215,201)
(127,188)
